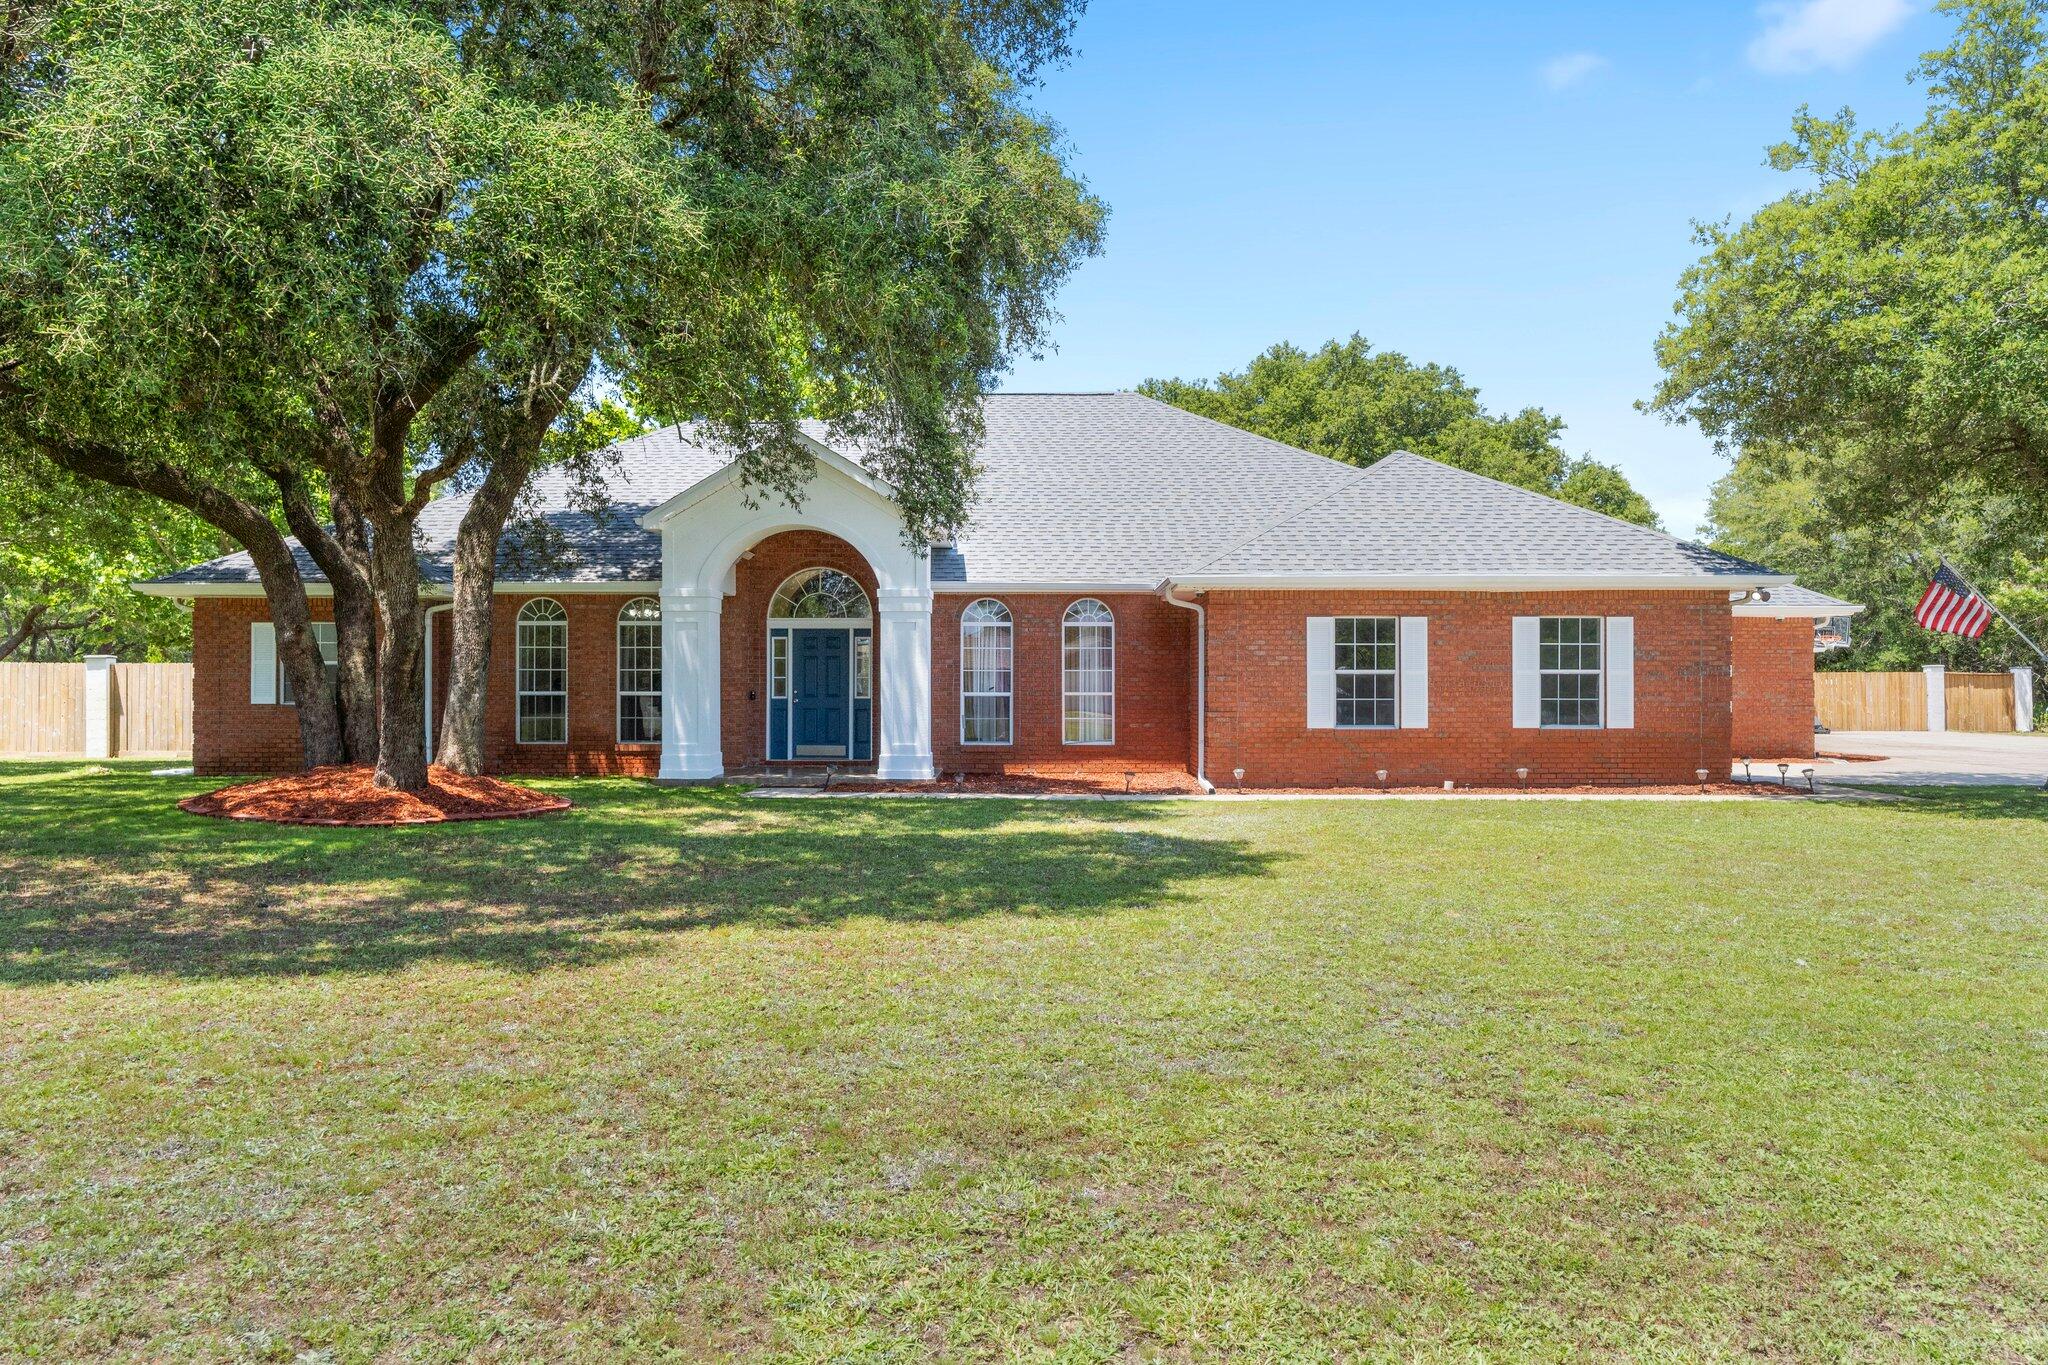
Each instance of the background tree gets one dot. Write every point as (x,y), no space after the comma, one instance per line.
(1771,507)
(1355,404)
(68,553)
(1892,315)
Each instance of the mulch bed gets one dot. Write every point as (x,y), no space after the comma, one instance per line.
(344,795)
(1041,784)
(1154,784)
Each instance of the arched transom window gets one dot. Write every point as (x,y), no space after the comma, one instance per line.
(640,672)
(542,656)
(1088,673)
(820,594)
(986,672)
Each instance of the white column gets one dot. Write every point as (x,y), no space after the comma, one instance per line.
(2023,699)
(690,746)
(904,652)
(99,706)
(1937,696)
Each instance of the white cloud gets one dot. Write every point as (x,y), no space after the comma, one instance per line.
(1562,73)
(1804,34)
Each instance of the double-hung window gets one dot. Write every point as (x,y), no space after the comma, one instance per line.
(1568,671)
(640,672)
(327,642)
(1088,673)
(987,672)
(1368,678)
(541,649)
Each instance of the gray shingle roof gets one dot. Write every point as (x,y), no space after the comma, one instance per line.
(1118,488)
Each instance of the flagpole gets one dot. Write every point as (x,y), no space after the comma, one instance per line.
(2038,651)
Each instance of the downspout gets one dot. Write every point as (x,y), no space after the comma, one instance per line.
(428,709)
(1201,683)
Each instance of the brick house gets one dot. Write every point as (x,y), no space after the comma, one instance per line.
(1137,589)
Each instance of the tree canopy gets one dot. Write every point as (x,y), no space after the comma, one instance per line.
(1893,312)
(1352,403)
(1775,511)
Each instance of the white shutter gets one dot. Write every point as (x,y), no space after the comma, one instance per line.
(1621,672)
(262,664)
(1322,672)
(1414,660)
(1528,682)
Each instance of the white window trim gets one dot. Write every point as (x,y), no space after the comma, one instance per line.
(619,675)
(1066,694)
(1393,673)
(520,693)
(1598,671)
(778,652)
(1009,623)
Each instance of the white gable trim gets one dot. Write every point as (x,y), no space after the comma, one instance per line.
(1453,582)
(710,484)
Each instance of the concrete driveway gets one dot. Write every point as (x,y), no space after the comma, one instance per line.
(1918,757)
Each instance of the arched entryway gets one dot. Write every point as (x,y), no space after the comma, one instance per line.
(725,556)
(820,694)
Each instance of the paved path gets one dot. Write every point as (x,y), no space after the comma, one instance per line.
(1917,757)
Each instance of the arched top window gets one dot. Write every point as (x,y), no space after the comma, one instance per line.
(1088,673)
(640,672)
(820,594)
(987,672)
(541,650)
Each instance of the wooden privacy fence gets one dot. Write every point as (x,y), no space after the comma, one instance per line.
(1983,703)
(46,711)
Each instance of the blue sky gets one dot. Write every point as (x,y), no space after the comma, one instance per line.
(1506,188)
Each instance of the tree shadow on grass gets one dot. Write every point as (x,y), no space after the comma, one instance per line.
(100,876)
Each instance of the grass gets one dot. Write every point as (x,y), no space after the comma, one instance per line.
(681,1072)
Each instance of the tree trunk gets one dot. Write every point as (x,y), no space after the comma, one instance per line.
(251,528)
(359,635)
(24,631)
(342,552)
(517,454)
(469,652)
(401,694)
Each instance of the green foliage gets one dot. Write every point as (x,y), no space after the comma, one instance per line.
(68,552)
(224,223)
(1352,403)
(1772,507)
(1894,313)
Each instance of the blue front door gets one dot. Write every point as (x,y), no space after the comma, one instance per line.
(821,671)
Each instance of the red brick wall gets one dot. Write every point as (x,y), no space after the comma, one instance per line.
(593,745)
(1257,707)
(228,734)
(1774,705)
(1258,693)
(1154,687)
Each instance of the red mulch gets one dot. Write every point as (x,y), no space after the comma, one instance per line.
(343,795)
(1041,784)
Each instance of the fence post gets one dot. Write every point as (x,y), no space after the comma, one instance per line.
(1937,696)
(99,706)
(2023,699)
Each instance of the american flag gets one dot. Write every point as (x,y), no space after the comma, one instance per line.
(1952,606)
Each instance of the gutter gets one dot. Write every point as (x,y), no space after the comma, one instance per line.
(1201,682)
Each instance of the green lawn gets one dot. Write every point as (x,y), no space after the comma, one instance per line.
(686,1072)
